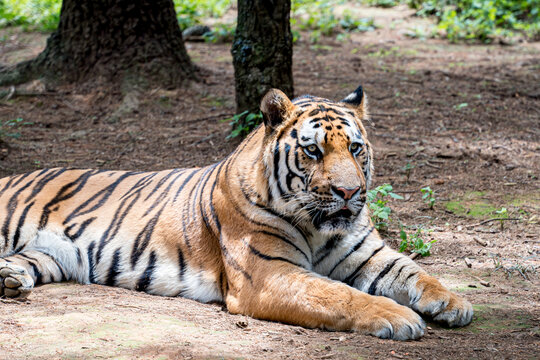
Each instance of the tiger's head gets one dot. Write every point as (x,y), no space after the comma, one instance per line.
(317,159)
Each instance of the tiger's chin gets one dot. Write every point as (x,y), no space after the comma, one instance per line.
(339,222)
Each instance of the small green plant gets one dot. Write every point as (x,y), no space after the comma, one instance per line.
(414,242)
(503,214)
(377,200)
(460,106)
(428,195)
(243,123)
(408,170)
(7,126)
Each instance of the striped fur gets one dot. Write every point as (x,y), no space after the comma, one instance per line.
(278,230)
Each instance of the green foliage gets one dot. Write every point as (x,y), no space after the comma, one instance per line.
(428,196)
(482,20)
(377,200)
(7,126)
(44,15)
(191,12)
(474,20)
(414,242)
(319,18)
(382,3)
(221,33)
(243,123)
(40,15)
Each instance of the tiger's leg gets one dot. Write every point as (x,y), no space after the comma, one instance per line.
(276,287)
(47,258)
(378,270)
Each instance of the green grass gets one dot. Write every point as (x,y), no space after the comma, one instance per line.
(316,16)
(43,15)
(474,20)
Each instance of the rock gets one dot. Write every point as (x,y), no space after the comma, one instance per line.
(195,33)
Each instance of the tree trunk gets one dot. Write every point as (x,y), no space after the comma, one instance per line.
(114,40)
(262,51)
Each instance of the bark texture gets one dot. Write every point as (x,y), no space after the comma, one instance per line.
(111,39)
(262,51)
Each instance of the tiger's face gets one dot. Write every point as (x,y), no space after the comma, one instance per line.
(318,159)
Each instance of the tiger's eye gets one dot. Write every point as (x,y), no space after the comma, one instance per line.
(354,147)
(312,148)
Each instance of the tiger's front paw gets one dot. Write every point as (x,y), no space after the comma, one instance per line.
(444,306)
(389,320)
(15,282)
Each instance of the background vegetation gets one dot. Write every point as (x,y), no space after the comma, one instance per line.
(461,20)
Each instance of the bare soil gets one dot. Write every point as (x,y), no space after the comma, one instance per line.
(466,118)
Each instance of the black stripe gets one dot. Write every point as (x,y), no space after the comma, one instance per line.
(44,181)
(238,209)
(355,248)
(20,224)
(63,276)
(276,168)
(160,183)
(373,286)
(411,275)
(90,255)
(397,276)
(181,264)
(270,258)
(146,278)
(117,221)
(79,257)
(33,263)
(228,257)
(143,238)
(202,210)
(63,195)
(270,211)
(351,278)
(113,269)
(10,209)
(37,274)
(8,184)
(268,233)
(103,195)
(327,248)
(141,183)
(82,228)
(21,179)
(290,173)
(186,180)
(164,193)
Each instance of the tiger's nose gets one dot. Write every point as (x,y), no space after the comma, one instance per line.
(345,193)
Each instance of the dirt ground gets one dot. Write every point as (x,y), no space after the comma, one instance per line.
(466,118)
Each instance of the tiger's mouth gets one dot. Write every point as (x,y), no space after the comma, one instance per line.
(341,218)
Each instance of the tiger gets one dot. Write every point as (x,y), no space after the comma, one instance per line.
(278,230)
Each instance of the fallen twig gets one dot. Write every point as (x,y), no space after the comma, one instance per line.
(432,165)
(479,241)
(212,117)
(490,220)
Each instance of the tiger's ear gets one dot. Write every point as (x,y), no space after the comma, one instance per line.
(275,107)
(356,100)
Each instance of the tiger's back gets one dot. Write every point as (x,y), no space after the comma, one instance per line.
(116,228)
